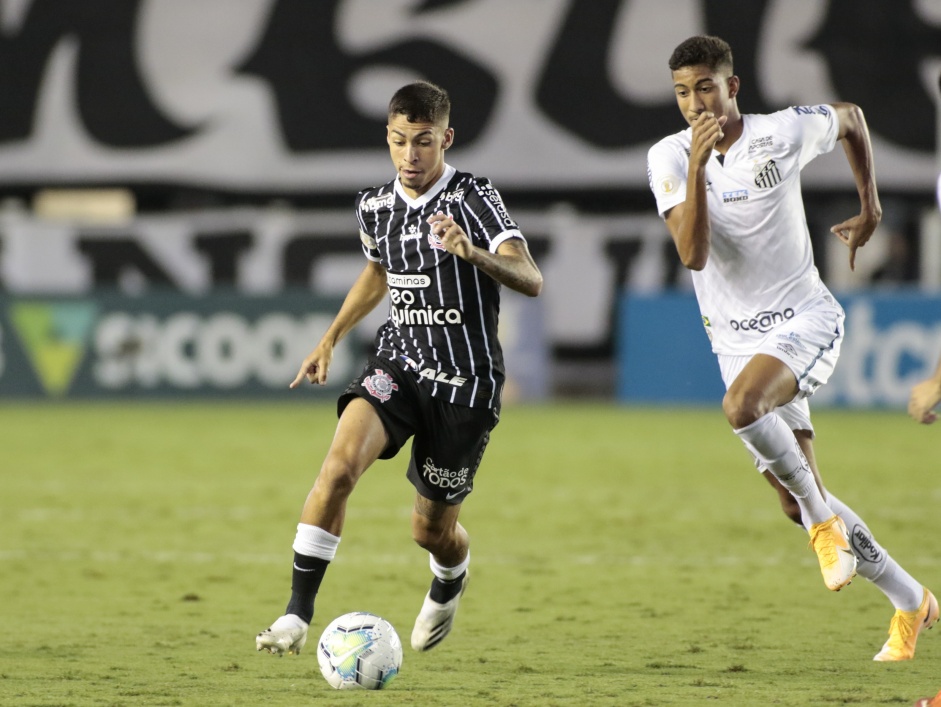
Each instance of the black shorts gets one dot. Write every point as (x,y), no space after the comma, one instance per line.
(449,440)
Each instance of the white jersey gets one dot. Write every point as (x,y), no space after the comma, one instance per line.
(760,269)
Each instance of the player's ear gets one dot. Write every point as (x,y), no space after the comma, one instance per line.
(734,85)
(448,138)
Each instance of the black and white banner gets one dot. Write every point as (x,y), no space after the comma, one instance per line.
(270,95)
(586,259)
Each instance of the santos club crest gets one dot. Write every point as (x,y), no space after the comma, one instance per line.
(380,385)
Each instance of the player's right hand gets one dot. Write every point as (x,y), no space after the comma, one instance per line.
(707,131)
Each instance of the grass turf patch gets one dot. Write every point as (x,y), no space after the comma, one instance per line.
(621,556)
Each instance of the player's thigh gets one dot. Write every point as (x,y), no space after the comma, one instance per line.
(764,372)
(360,438)
(808,343)
(394,397)
(790,362)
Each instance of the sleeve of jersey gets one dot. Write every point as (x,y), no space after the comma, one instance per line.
(370,250)
(818,127)
(490,222)
(666,174)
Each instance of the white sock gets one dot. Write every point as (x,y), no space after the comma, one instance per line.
(315,542)
(875,564)
(446,574)
(775,446)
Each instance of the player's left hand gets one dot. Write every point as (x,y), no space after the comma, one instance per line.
(451,235)
(855,232)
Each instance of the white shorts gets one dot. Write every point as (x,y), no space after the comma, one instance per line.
(809,344)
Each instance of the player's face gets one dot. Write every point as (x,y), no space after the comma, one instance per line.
(417,151)
(699,89)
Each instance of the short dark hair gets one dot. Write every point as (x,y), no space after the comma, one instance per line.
(702,51)
(421,101)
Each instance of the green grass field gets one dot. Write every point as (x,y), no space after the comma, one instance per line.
(621,556)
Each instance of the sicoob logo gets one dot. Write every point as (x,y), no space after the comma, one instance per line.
(380,385)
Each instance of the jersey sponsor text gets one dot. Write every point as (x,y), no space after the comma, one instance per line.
(763,322)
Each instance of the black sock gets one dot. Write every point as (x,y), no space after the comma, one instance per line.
(305,582)
(443,591)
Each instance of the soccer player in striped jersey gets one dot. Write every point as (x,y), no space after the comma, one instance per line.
(440,243)
(729,190)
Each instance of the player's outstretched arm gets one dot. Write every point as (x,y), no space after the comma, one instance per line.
(855,232)
(512,265)
(924,397)
(367,292)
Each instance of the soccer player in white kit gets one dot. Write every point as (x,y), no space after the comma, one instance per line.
(729,190)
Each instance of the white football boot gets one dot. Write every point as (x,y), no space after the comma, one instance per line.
(286,635)
(435,620)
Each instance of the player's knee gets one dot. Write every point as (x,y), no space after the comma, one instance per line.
(742,407)
(429,534)
(337,477)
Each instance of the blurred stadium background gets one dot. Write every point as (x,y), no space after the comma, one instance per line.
(177,183)
(176,190)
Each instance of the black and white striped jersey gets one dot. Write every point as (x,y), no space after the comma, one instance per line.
(443,311)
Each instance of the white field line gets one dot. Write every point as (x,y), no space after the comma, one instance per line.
(418,558)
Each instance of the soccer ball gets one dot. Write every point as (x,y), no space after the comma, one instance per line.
(359,650)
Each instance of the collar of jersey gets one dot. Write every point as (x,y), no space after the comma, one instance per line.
(428,195)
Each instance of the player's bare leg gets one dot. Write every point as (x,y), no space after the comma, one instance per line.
(359,440)
(435,528)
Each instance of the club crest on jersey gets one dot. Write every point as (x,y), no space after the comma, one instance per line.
(767,175)
(380,385)
(435,242)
